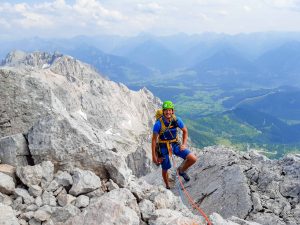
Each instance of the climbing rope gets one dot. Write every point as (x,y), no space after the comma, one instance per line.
(190,199)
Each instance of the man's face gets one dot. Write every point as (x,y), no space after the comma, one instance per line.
(168,113)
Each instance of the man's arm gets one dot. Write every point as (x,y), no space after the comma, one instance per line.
(153,145)
(184,138)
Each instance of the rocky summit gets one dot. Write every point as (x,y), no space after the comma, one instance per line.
(75,149)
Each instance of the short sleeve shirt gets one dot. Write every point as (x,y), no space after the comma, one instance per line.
(157,125)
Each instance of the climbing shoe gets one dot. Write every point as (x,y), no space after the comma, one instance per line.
(168,187)
(184,175)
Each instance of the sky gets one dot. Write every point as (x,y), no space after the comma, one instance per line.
(68,18)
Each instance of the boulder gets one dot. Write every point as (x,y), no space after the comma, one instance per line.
(8,169)
(7,184)
(218,184)
(14,150)
(5,199)
(40,174)
(7,216)
(67,145)
(116,207)
(82,201)
(167,216)
(84,181)
(63,198)
(63,178)
(60,215)
(27,198)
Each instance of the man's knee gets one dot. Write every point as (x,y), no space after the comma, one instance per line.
(192,158)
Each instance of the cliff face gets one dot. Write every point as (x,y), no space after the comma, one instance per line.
(66,108)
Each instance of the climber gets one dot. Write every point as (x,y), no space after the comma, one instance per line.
(165,132)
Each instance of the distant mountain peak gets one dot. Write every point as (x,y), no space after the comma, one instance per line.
(35,59)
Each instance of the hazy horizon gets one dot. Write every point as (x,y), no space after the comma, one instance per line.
(69,18)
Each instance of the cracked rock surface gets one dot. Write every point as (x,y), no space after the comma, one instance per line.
(246,185)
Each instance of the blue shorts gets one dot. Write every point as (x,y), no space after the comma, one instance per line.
(166,163)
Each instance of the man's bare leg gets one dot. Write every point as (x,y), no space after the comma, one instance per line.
(189,161)
(165,176)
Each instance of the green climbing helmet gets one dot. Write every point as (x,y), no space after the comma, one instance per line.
(168,105)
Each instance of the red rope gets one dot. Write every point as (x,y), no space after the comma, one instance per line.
(191,200)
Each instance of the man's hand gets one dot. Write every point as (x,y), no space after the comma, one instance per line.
(157,160)
(182,147)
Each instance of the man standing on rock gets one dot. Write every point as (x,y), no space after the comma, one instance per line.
(165,130)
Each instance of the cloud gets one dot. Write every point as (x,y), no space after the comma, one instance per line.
(284,4)
(247,8)
(92,9)
(152,7)
(58,14)
(93,17)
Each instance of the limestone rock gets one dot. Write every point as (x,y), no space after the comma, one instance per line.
(48,198)
(30,175)
(140,162)
(63,178)
(5,199)
(41,174)
(82,201)
(64,198)
(13,150)
(35,190)
(7,216)
(41,215)
(109,210)
(27,198)
(64,213)
(147,209)
(7,184)
(8,170)
(84,182)
(112,185)
(167,216)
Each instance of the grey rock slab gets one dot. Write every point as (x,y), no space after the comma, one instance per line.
(5,199)
(35,190)
(41,215)
(63,198)
(40,174)
(13,150)
(63,178)
(27,198)
(140,161)
(112,185)
(225,191)
(8,170)
(48,173)
(168,216)
(48,198)
(7,216)
(64,213)
(7,184)
(107,210)
(82,201)
(84,181)
(33,221)
(147,209)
